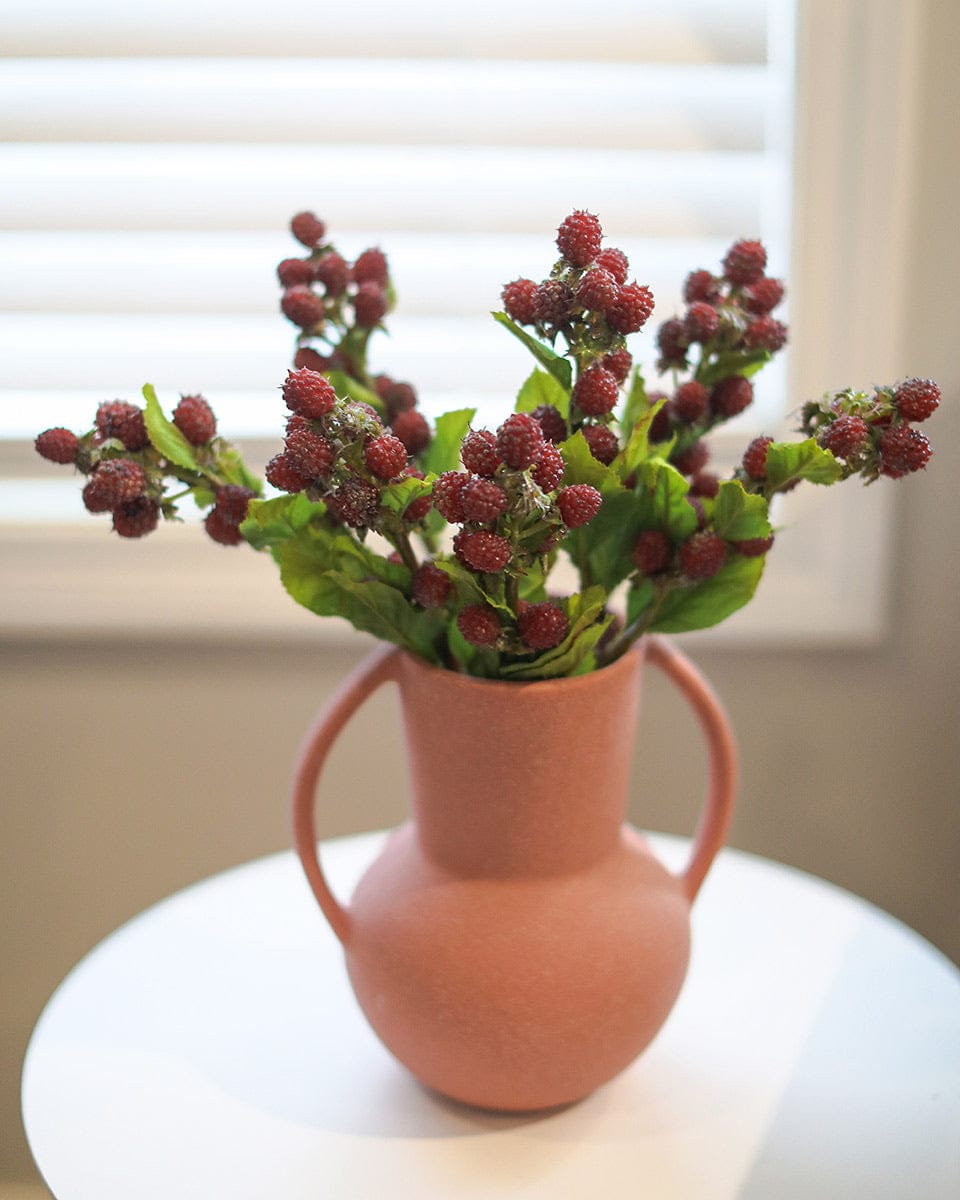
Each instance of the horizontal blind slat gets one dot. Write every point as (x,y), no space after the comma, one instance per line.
(628,30)
(446,189)
(357,101)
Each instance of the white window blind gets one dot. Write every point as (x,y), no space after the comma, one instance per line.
(151,157)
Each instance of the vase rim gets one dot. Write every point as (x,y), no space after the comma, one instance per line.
(627,661)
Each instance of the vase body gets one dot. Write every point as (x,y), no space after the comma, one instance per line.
(516,944)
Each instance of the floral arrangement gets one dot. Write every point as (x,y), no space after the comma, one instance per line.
(443,540)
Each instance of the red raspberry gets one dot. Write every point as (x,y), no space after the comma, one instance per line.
(370,304)
(332,271)
(117,419)
(652,552)
(114,481)
(916,399)
(283,475)
(293,271)
(618,363)
(691,402)
(662,423)
(222,528)
(553,303)
(731,396)
(355,503)
(755,457)
(763,296)
(371,267)
(547,471)
(309,453)
(447,495)
(602,442)
(399,397)
(632,309)
(845,437)
(765,333)
(386,456)
(701,287)
(301,305)
(194,417)
(552,425)
(597,290)
(308,229)
(309,393)
(482,500)
(308,357)
(702,555)
(754,547)
(701,322)
(542,625)
(58,445)
(579,237)
(697,505)
(520,440)
(520,301)
(596,391)
(412,429)
(485,551)
(903,450)
(744,263)
(578,504)
(232,500)
(705,483)
(693,459)
(673,344)
(479,453)
(136,517)
(614,261)
(431,586)
(479,625)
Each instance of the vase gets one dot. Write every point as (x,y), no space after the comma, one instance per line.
(516,944)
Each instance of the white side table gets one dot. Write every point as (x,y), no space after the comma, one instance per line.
(211,1050)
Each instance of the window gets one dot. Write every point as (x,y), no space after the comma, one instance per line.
(152,162)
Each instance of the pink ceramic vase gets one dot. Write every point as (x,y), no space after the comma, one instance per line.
(516,944)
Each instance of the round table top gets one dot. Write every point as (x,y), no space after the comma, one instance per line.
(211,1048)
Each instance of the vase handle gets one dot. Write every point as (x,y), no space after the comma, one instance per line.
(718,805)
(379,668)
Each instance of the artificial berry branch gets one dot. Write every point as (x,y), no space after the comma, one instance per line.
(444,539)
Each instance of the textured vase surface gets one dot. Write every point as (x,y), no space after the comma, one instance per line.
(516,944)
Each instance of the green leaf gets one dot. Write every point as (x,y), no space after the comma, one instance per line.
(164,436)
(443,453)
(788,461)
(662,494)
(399,495)
(234,470)
(560,368)
(542,388)
(638,443)
(609,537)
(712,601)
(588,622)
(739,515)
(639,599)
(581,467)
(636,403)
(732,362)
(271,521)
(348,388)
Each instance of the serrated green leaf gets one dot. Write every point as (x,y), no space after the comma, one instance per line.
(443,453)
(609,537)
(788,461)
(635,405)
(234,470)
(732,362)
(639,599)
(560,368)
(712,601)
(541,387)
(399,495)
(738,515)
(662,494)
(587,625)
(164,436)
(579,466)
(637,448)
(269,522)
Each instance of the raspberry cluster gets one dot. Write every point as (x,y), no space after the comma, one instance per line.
(129,478)
(336,306)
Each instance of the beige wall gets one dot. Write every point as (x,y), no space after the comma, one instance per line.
(130,770)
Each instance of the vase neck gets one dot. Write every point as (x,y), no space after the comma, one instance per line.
(519,778)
